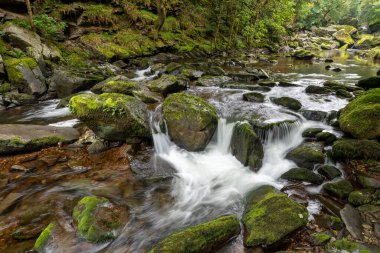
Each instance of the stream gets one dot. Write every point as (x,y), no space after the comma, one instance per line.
(201,185)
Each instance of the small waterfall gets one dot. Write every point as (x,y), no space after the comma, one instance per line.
(278,132)
(224,135)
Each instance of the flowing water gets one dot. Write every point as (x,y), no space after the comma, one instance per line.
(205,184)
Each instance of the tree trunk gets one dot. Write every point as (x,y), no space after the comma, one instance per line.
(161,13)
(30,13)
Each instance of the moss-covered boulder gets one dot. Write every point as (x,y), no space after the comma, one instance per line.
(307,155)
(329,171)
(206,237)
(122,87)
(345,245)
(341,188)
(97,88)
(97,218)
(191,121)
(25,74)
(208,81)
(326,137)
(270,216)
(356,149)
(44,237)
(115,117)
(287,102)
(302,175)
(362,197)
(361,117)
(246,146)
(166,85)
(343,37)
(311,132)
(370,83)
(173,68)
(319,239)
(313,89)
(303,54)
(253,97)
(146,96)
(17,98)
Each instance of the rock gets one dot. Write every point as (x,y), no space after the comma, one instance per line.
(324,31)
(268,84)
(173,68)
(206,237)
(18,98)
(326,137)
(311,132)
(246,87)
(209,81)
(345,245)
(369,83)
(329,171)
(343,94)
(319,239)
(215,71)
(286,84)
(313,89)
(307,155)
(352,219)
(253,97)
(378,73)
(356,149)
(114,117)
(302,175)
(337,69)
(192,74)
(97,219)
(44,237)
(65,83)
(243,76)
(314,115)
(341,188)
(122,87)
(24,74)
(288,102)
(97,88)
(368,181)
(146,96)
(191,121)
(27,232)
(343,37)
(271,216)
(303,54)
(358,198)
(9,201)
(246,146)
(166,85)
(25,138)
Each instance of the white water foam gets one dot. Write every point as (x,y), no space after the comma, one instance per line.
(142,75)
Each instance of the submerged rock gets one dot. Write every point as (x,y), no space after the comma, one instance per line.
(166,85)
(370,83)
(356,149)
(302,175)
(307,155)
(97,219)
(341,188)
(114,117)
(16,138)
(206,237)
(246,146)
(270,216)
(288,102)
(191,121)
(361,117)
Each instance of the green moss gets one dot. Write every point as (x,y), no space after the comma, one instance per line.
(98,13)
(171,24)
(307,155)
(358,198)
(320,238)
(303,175)
(13,65)
(205,237)
(356,149)
(341,188)
(122,87)
(45,141)
(43,238)
(288,102)
(5,87)
(347,246)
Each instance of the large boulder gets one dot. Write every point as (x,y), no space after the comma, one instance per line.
(341,188)
(307,155)
(25,74)
(166,85)
(246,146)
(270,216)
(122,87)
(25,138)
(343,37)
(191,121)
(206,237)
(370,83)
(287,102)
(361,117)
(97,88)
(303,54)
(97,219)
(112,116)
(17,98)
(356,149)
(302,175)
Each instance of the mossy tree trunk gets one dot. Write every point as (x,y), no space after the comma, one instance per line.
(30,13)
(161,12)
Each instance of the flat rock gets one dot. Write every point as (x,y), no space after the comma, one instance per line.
(352,220)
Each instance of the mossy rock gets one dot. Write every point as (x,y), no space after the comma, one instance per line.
(341,93)
(319,239)
(341,188)
(368,181)
(370,83)
(146,96)
(303,54)
(254,97)
(287,102)
(97,219)
(329,171)
(302,175)
(5,87)
(246,146)
(362,197)
(361,117)
(112,116)
(206,237)
(19,98)
(313,89)
(44,237)
(166,85)
(191,121)
(271,217)
(122,87)
(215,71)
(174,68)
(356,149)
(208,81)
(307,155)
(326,137)
(345,245)
(343,37)
(311,132)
